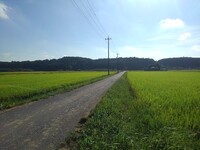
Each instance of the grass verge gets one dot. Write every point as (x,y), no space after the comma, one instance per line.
(123,120)
(108,126)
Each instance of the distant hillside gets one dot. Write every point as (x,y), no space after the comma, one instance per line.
(77,63)
(180,63)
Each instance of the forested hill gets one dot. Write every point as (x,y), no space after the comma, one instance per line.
(180,63)
(79,63)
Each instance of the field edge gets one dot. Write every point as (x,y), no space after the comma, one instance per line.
(124,119)
(71,142)
(47,93)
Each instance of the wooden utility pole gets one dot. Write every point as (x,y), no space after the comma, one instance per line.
(108,55)
(117,63)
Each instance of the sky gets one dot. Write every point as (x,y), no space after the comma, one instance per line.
(48,29)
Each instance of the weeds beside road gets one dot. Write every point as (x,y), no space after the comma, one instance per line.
(146,110)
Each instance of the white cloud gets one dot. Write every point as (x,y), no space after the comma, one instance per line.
(163,37)
(184,36)
(6,56)
(3,11)
(46,55)
(130,51)
(171,23)
(196,48)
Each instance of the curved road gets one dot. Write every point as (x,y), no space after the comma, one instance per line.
(46,123)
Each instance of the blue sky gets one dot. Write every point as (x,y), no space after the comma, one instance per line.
(46,29)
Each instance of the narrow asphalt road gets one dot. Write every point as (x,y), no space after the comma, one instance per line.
(46,123)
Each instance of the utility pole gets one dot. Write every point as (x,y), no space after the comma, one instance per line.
(117,63)
(108,55)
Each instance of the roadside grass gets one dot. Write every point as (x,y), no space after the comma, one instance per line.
(145,110)
(21,87)
(109,125)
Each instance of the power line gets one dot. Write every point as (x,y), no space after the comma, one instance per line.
(92,17)
(89,14)
(92,10)
(87,11)
(82,12)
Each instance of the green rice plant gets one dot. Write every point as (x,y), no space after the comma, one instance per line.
(20,87)
(172,107)
(145,110)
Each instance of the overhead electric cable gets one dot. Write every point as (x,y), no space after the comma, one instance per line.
(83,13)
(92,10)
(92,17)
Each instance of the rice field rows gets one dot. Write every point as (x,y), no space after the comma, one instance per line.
(170,107)
(20,87)
(146,110)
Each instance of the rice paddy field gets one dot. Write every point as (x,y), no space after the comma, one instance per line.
(21,87)
(146,110)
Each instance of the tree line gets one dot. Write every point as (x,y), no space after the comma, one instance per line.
(79,63)
(180,63)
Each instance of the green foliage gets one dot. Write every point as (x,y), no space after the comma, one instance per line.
(20,87)
(180,63)
(172,107)
(150,110)
(106,129)
(77,63)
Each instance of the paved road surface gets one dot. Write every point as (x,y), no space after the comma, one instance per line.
(46,123)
